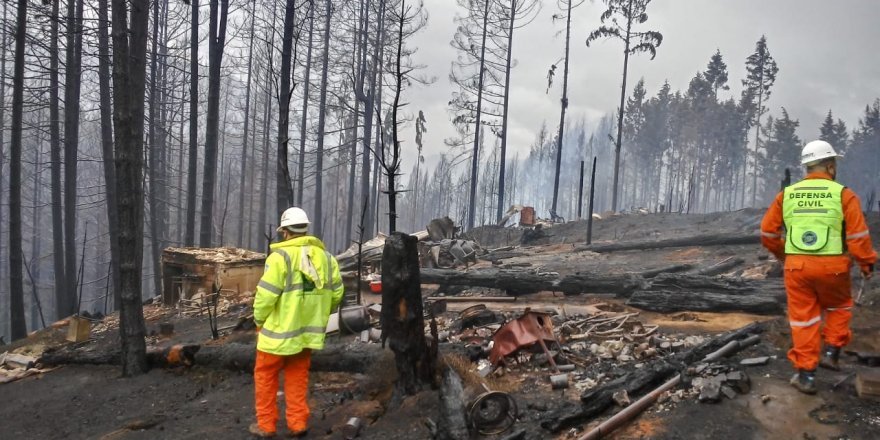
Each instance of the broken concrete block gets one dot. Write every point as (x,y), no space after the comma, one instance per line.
(621,398)
(728,392)
(754,362)
(711,391)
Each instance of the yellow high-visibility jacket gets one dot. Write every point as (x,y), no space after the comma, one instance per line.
(300,288)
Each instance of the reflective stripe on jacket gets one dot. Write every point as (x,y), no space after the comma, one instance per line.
(813,214)
(300,288)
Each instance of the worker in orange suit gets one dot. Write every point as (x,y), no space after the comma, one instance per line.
(817,228)
(300,287)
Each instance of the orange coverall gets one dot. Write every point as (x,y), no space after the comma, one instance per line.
(296,385)
(819,283)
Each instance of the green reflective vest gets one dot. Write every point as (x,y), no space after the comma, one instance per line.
(300,288)
(812,210)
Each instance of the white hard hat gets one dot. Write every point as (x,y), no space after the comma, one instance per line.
(816,151)
(293,217)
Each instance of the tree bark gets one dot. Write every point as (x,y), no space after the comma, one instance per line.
(4,302)
(403,325)
(16,281)
(216,42)
(193,157)
(129,74)
(283,190)
(72,74)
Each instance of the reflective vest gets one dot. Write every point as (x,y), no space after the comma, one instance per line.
(812,210)
(300,288)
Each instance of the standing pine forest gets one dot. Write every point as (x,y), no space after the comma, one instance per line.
(131,126)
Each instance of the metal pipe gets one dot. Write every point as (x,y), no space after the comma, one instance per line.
(630,412)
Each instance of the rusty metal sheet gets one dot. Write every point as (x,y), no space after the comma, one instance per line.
(529,329)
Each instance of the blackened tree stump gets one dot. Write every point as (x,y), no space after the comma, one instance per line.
(403,325)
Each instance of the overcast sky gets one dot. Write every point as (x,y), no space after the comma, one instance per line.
(825,50)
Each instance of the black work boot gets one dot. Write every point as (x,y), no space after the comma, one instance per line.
(830,358)
(804,381)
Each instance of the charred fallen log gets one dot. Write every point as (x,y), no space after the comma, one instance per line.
(235,357)
(719,268)
(667,301)
(520,282)
(596,401)
(697,240)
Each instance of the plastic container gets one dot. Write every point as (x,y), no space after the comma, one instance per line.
(376,286)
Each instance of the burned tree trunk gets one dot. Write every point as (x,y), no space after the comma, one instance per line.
(403,326)
(232,356)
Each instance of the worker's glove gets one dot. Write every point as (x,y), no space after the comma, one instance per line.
(867,271)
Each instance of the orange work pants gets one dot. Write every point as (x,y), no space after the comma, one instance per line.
(296,386)
(813,289)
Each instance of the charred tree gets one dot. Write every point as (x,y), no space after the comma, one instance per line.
(72,75)
(283,190)
(129,77)
(244,139)
(630,13)
(193,158)
(300,175)
(322,120)
(62,301)
(216,43)
(403,325)
(107,154)
(16,259)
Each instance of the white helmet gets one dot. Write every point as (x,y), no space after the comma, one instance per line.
(816,151)
(294,217)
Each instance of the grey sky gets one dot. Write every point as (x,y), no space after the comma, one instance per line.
(824,50)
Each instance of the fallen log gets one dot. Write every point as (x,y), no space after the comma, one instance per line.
(667,301)
(668,281)
(720,267)
(696,240)
(520,282)
(236,357)
(597,400)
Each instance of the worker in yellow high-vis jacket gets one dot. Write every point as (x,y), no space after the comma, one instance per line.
(300,288)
